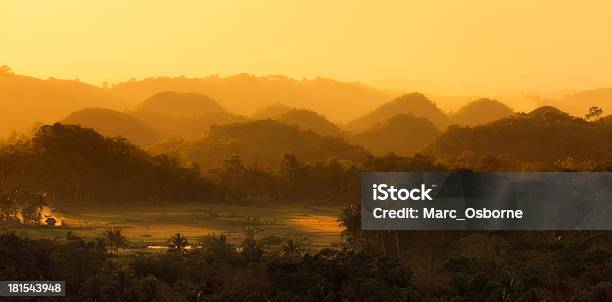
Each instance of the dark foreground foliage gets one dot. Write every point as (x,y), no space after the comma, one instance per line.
(518,266)
(213,271)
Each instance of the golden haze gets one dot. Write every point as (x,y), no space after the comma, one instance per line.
(444,47)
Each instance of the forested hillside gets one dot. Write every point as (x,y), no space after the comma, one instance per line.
(413,103)
(308,120)
(78,164)
(401,134)
(545,135)
(480,112)
(177,126)
(112,123)
(265,142)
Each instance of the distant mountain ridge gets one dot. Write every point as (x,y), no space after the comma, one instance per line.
(25,100)
(112,123)
(543,135)
(271,111)
(413,103)
(245,93)
(402,134)
(578,103)
(266,142)
(178,115)
(308,120)
(176,126)
(481,112)
(172,102)
(544,111)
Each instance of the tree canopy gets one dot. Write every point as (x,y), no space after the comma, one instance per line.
(545,135)
(75,163)
(265,142)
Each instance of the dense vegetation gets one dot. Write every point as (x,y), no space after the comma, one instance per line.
(373,266)
(78,164)
(270,161)
(402,134)
(264,142)
(527,141)
(214,270)
(74,163)
(308,120)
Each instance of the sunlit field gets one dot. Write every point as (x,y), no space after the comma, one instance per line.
(150,226)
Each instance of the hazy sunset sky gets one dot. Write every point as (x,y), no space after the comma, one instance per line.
(452,44)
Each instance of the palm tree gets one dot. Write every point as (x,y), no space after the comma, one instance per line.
(292,248)
(108,237)
(115,240)
(351,221)
(178,243)
(124,279)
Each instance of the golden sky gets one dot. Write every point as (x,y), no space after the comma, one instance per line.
(460,46)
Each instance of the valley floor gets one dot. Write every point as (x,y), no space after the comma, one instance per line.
(150,226)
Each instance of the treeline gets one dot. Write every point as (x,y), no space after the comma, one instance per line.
(292,181)
(19,208)
(212,270)
(383,266)
(71,163)
(75,164)
(332,181)
(496,265)
(543,139)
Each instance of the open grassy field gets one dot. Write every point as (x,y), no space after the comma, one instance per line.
(151,226)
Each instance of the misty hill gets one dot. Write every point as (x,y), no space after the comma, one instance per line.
(180,103)
(177,126)
(112,123)
(413,103)
(303,118)
(309,120)
(270,111)
(547,111)
(579,103)
(544,135)
(26,100)
(245,93)
(266,142)
(480,112)
(401,134)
